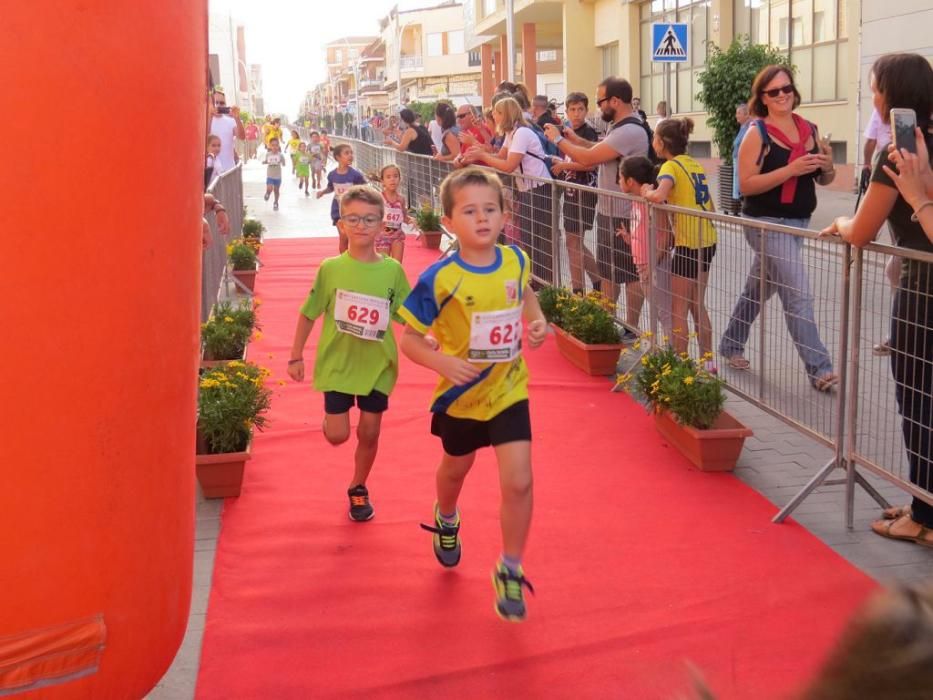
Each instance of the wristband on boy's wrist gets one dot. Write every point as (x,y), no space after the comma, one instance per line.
(295,362)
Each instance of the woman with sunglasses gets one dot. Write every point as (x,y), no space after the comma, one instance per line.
(781,159)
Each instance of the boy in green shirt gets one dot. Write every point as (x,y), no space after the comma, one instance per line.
(358,293)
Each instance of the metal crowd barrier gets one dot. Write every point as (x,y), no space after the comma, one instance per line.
(796,306)
(228,189)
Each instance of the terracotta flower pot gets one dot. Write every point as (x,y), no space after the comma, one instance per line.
(221,475)
(246,277)
(208,362)
(431,239)
(595,360)
(716,449)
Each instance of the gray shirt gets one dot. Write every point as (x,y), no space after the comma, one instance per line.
(628,140)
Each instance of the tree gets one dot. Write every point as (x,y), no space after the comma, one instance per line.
(726,82)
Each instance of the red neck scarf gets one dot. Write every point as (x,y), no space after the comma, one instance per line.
(797,149)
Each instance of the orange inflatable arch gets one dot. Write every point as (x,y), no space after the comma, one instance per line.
(103,106)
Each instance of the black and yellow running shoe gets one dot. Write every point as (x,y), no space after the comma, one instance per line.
(510,600)
(446,539)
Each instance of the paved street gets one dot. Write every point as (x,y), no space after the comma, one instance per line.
(776,462)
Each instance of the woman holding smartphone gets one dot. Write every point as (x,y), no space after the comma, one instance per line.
(904,81)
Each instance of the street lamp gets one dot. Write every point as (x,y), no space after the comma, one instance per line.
(356,79)
(510,41)
(399,30)
(249,86)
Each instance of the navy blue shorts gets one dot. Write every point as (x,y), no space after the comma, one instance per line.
(336,402)
(274,181)
(461,436)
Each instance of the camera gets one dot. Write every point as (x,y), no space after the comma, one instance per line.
(223,110)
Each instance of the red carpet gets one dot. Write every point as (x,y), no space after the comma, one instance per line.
(640,562)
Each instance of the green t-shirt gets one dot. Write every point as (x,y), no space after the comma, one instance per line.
(357,300)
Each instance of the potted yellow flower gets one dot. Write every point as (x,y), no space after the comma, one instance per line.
(225,335)
(687,403)
(232,401)
(585,330)
(429,224)
(244,262)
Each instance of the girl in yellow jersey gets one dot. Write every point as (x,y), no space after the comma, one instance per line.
(682,183)
(292,148)
(474,302)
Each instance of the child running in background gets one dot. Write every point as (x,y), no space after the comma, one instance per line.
(213,150)
(303,168)
(318,159)
(358,293)
(392,239)
(682,182)
(339,180)
(274,161)
(635,172)
(292,149)
(474,301)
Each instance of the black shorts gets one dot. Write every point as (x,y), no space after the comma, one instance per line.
(461,436)
(336,402)
(579,208)
(613,254)
(689,262)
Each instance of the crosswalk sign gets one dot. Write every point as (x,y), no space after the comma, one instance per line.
(669,42)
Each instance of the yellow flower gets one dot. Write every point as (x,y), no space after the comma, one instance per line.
(688,380)
(257,335)
(665,339)
(644,360)
(648,334)
(228,319)
(235,364)
(707,356)
(666,371)
(637,345)
(257,301)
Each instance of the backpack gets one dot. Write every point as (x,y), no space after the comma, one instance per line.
(549,148)
(551,152)
(766,138)
(652,156)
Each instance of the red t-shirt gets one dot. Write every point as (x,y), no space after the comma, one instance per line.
(252,132)
(475,133)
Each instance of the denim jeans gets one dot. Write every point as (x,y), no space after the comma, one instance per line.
(786,275)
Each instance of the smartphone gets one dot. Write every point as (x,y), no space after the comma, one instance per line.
(223,110)
(903,124)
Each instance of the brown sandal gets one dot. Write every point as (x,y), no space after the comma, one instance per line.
(883,527)
(825,383)
(738,362)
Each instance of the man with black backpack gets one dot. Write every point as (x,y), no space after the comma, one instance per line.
(627,136)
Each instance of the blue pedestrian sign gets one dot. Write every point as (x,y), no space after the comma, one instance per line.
(669,42)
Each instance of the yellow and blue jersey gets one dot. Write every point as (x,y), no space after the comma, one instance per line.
(444,301)
(691,191)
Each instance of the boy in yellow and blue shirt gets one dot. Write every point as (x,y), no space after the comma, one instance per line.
(474,303)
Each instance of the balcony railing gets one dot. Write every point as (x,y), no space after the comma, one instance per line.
(411,62)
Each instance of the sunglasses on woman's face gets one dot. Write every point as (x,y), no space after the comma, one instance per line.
(786,89)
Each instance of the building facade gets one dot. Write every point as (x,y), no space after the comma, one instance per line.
(241,81)
(592,39)
(426,57)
